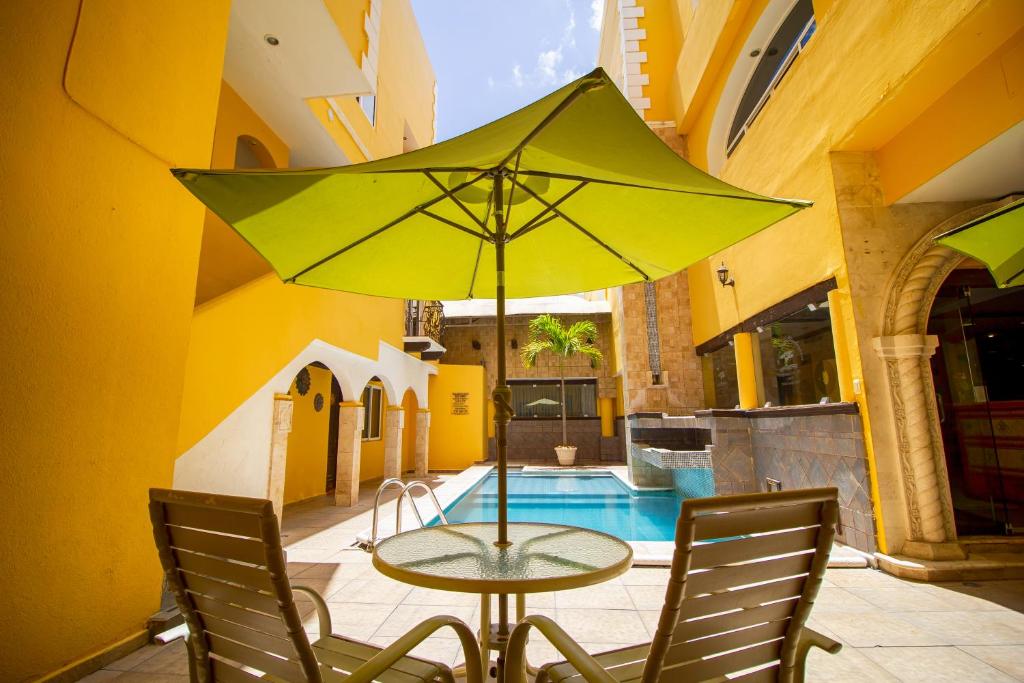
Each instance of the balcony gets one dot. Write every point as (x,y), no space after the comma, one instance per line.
(424,324)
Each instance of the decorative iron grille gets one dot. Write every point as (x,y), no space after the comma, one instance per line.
(424,319)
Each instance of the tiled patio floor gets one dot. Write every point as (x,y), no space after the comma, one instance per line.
(892,630)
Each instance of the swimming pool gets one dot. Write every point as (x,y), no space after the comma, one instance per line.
(597,501)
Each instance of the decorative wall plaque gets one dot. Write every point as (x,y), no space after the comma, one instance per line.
(460,403)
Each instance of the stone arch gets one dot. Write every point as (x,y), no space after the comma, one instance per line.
(905,348)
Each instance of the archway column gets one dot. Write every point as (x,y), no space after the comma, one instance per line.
(422,445)
(350,442)
(282,427)
(394,422)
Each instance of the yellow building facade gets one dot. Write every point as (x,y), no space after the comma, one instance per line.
(899,121)
(148,345)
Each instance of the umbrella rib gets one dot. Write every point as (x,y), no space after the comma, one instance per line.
(583,86)
(570,221)
(448,193)
(386,226)
(453,224)
(476,267)
(535,222)
(512,190)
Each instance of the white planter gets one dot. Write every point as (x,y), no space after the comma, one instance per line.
(566,455)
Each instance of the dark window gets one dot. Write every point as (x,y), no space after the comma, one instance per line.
(372,405)
(368,103)
(774,62)
(540,398)
(720,387)
(798,358)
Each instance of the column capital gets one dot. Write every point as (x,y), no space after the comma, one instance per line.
(350,404)
(905,346)
(395,408)
(423,410)
(283,397)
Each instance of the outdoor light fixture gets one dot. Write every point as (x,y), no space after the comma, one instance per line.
(759,329)
(476,345)
(515,343)
(812,307)
(271,40)
(723,276)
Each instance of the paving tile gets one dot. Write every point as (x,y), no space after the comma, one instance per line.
(934,665)
(1008,659)
(149,677)
(602,626)
(646,576)
(351,619)
(430,596)
(875,628)
(647,597)
(601,596)
(836,599)
(861,578)
(908,598)
(376,589)
(405,617)
(171,659)
(330,570)
(101,675)
(133,659)
(849,665)
(447,651)
(970,628)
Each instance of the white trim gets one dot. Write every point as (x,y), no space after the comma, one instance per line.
(741,72)
(348,126)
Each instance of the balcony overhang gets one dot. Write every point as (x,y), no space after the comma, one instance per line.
(310,59)
(425,346)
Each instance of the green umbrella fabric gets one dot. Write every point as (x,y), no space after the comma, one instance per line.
(997,240)
(593,199)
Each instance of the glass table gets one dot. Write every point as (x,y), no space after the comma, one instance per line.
(465,559)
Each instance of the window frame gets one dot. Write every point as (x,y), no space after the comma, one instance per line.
(554,381)
(370,392)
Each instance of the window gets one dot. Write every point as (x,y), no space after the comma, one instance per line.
(368,103)
(775,59)
(798,359)
(721,389)
(372,406)
(541,398)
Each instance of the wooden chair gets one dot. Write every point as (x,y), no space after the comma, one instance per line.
(223,561)
(745,573)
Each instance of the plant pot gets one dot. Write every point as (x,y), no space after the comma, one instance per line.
(566,455)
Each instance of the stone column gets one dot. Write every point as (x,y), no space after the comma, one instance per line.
(394,421)
(422,446)
(746,370)
(350,443)
(909,373)
(282,426)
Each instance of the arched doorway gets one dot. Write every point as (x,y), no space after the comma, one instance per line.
(907,348)
(978,375)
(312,455)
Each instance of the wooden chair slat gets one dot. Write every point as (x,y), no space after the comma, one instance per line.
(223,521)
(769,674)
(287,669)
(716,554)
(219,545)
(253,578)
(229,673)
(695,649)
(760,520)
(611,660)
(225,592)
(348,661)
(254,620)
(252,638)
(700,628)
(749,596)
(714,580)
(721,665)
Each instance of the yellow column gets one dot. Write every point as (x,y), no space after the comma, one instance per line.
(746,374)
(606,409)
(845,374)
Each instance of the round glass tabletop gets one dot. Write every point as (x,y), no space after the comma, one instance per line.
(463,557)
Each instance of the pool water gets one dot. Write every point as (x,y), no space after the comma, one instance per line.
(594,501)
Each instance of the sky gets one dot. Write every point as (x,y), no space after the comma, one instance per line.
(492,57)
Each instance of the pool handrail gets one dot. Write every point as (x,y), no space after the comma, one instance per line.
(405,488)
(385,485)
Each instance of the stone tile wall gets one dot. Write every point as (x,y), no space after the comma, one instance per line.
(534,441)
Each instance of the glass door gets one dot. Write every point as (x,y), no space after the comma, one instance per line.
(978,373)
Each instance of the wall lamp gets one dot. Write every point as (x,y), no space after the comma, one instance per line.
(723,276)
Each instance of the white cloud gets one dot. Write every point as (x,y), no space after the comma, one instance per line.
(490,83)
(517,76)
(570,74)
(547,64)
(596,14)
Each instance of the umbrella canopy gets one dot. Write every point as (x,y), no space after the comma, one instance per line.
(997,240)
(593,199)
(569,194)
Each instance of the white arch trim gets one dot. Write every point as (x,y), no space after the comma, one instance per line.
(742,71)
(234,458)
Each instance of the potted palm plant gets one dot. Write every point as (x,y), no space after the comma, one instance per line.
(547,334)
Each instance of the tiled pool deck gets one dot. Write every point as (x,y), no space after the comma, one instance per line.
(892,630)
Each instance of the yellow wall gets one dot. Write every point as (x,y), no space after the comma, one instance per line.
(306,461)
(457,441)
(241,339)
(662,46)
(405,93)
(100,246)
(225,259)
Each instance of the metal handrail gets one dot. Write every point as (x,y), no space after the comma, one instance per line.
(405,488)
(412,501)
(387,483)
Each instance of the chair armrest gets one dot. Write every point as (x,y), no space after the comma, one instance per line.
(810,638)
(515,656)
(323,615)
(383,660)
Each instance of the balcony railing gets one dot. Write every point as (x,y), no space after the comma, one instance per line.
(424,319)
